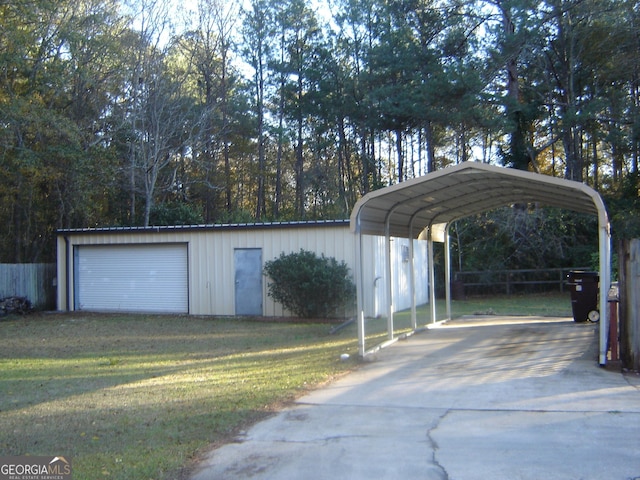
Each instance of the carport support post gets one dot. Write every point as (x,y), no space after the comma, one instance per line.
(387,237)
(605,280)
(447,270)
(412,280)
(67,272)
(359,291)
(432,275)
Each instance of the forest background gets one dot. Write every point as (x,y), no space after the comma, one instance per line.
(148,112)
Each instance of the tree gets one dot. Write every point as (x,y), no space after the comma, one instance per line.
(200,45)
(301,36)
(514,27)
(525,238)
(59,64)
(356,37)
(257,32)
(157,107)
(109,112)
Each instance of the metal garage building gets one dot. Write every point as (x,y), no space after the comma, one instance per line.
(217,269)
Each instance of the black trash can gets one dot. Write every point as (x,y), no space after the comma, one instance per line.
(584,295)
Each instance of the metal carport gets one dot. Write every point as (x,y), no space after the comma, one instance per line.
(427,205)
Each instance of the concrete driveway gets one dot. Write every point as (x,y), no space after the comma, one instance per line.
(477,398)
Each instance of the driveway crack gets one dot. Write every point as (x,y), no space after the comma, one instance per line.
(434,445)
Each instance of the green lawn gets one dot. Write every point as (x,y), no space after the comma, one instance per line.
(549,305)
(140,397)
(136,397)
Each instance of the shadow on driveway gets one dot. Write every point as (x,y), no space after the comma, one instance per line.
(477,398)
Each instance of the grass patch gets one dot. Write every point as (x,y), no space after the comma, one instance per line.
(543,304)
(137,397)
(140,397)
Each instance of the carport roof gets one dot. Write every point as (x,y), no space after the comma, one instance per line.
(463,190)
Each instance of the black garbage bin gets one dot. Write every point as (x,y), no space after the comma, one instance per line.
(584,295)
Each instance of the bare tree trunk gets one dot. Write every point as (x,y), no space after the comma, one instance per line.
(299,170)
(517,142)
(574,163)
(431,150)
(280,153)
(262,167)
(132,186)
(400,155)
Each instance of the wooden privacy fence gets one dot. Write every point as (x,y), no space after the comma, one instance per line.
(629,307)
(35,281)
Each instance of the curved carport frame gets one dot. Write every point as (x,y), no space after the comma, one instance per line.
(426,206)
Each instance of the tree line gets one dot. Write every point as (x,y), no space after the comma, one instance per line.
(148,112)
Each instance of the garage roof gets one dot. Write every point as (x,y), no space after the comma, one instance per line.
(463,190)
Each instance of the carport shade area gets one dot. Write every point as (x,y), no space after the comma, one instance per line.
(431,202)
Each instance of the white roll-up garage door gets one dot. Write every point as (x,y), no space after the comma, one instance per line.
(132,278)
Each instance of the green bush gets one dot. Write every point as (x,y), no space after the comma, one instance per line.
(310,286)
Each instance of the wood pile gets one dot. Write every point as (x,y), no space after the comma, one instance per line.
(15,305)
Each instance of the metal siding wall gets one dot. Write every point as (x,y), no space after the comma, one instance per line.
(273,244)
(402,273)
(200,275)
(375,294)
(211,269)
(375,291)
(422,271)
(222,270)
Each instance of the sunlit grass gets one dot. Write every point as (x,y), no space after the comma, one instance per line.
(136,397)
(140,397)
(544,304)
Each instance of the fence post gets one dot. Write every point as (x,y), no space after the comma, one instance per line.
(629,307)
(561,281)
(614,337)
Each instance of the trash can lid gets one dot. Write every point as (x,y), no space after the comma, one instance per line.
(585,273)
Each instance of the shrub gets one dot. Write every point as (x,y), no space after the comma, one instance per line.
(310,286)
